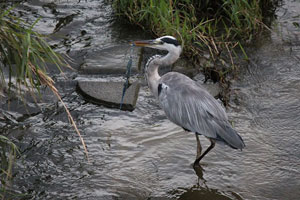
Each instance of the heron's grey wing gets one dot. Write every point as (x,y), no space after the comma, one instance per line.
(190,106)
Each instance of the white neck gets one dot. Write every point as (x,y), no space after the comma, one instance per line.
(169,59)
(152,69)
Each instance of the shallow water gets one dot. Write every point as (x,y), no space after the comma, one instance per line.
(141,154)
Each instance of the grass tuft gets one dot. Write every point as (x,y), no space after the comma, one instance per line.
(201,25)
(8,151)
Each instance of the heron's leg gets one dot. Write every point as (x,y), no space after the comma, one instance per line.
(199,148)
(212,145)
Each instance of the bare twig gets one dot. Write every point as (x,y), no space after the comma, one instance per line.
(229,52)
(50,83)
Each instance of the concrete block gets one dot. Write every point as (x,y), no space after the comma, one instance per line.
(109,94)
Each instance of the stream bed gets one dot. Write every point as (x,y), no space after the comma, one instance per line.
(141,154)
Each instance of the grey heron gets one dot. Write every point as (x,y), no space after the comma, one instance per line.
(185,102)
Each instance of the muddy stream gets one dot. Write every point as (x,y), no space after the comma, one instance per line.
(141,154)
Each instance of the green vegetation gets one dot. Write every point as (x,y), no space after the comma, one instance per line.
(8,152)
(201,25)
(26,55)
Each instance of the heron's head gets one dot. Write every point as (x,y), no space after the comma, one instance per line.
(167,43)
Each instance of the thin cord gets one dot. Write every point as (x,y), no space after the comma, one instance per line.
(128,72)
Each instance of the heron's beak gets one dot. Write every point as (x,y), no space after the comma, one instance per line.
(145,43)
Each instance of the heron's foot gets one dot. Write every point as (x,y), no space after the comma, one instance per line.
(196,164)
(198,170)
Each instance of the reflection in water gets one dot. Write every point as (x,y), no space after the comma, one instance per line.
(202,191)
(197,192)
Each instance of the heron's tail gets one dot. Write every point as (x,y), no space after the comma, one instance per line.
(229,136)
